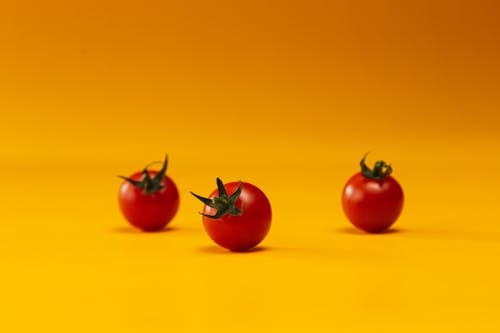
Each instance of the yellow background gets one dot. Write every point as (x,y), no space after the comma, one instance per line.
(287,95)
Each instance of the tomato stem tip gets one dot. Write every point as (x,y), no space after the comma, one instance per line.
(380,169)
(147,184)
(224,203)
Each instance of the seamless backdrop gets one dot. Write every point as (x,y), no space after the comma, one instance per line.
(287,95)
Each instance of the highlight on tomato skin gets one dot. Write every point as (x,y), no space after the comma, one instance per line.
(149,199)
(372,199)
(236,216)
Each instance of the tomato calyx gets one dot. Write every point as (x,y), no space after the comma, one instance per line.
(380,169)
(147,184)
(224,204)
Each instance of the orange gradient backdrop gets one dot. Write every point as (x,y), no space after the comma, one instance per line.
(286,94)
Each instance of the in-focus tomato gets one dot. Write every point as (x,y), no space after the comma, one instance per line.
(236,216)
(149,199)
(372,199)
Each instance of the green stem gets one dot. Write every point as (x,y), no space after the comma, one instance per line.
(380,169)
(223,204)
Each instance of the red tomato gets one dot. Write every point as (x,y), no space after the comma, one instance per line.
(236,216)
(372,199)
(149,199)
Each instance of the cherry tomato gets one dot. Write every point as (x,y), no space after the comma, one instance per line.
(372,199)
(149,199)
(236,216)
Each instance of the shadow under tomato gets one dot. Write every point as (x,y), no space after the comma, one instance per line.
(214,249)
(132,230)
(355,231)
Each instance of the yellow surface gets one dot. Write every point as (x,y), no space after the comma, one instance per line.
(286,95)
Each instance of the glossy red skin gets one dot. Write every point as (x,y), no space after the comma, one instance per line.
(243,232)
(372,205)
(148,212)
